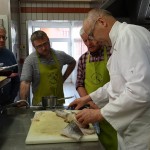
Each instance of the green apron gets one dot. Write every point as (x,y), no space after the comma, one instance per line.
(96,75)
(51,81)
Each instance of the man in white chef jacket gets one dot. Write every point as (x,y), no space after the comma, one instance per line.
(128,92)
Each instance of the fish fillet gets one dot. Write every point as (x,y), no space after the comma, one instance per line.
(69,117)
(72,131)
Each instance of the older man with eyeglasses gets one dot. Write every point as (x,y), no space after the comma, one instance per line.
(43,68)
(8,92)
(92,73)
(128,108)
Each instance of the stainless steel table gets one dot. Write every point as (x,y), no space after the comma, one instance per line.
(14,127)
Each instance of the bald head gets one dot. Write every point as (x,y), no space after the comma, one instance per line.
(81,31)
(97,12)
(98,24)
(3,28)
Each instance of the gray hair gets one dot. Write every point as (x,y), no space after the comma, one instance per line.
(2,28)
(38,35)
(97,12)
(82,31)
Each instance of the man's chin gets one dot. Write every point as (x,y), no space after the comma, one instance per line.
(94,53)
(92,50)
(43,55)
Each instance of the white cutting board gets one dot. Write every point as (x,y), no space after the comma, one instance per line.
(46,127)
(2,78)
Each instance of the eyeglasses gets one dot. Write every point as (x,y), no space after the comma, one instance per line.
(3,37)
(42,45)
(90,35)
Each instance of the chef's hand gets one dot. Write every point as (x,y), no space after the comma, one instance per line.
(93,105)
(79,102)
(87,116)
(22,103)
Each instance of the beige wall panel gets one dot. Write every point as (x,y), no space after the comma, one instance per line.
(56,16)
(28,5)
(23,17)
(44,5)
(44,16)
(4,7)
(23,39)
(34,16)
(23,28)
(33,4)
(50,16)
(66,16)
(61,16)
(28,16)
(70,16)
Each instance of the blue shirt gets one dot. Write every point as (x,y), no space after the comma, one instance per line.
(9,91)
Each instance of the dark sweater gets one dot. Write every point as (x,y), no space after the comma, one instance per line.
(9,91)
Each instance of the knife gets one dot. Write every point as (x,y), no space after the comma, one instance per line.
(96,127)
(65,98)
(7,67)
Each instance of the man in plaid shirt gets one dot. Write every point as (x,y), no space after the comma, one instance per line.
(92,73)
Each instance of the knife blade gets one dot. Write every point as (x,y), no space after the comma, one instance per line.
(96,127)
(7,67)
(64,98)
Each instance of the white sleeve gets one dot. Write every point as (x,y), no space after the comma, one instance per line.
(133,61)
(100,96)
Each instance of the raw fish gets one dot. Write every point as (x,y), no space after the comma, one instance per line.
(72,131)
(69,117)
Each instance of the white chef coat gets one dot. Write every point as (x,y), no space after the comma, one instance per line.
(128,110)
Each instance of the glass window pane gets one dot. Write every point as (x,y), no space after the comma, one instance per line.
(76,32)
(57,32)
(62,46)
(79,48)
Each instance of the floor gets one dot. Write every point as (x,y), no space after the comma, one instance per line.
(69,90)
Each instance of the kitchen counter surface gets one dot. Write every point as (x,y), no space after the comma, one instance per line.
(14,127)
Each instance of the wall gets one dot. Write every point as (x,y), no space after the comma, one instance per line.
(10,8)
(49,11)
(5,15)
(4,7)
(15,28)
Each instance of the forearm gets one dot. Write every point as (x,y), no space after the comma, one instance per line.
(87,98)
(69,70)
(82,91)
(24,90)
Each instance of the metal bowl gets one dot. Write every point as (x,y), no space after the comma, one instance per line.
(49,101)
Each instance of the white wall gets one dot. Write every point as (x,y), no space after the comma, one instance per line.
(4,7)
